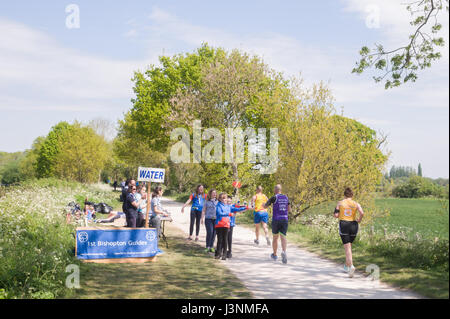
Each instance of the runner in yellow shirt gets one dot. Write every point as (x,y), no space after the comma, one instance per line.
(261,217)
(348,226)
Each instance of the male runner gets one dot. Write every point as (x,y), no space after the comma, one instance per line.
(281,208)
(261,217)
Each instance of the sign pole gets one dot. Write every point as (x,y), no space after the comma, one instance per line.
(149,200)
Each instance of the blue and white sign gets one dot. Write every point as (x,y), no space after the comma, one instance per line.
(154,175)
(116,243)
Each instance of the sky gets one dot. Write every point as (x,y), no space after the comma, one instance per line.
(51,71)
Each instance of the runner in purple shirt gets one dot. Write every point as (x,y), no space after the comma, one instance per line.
(281,209)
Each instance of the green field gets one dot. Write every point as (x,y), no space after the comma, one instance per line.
(424,216)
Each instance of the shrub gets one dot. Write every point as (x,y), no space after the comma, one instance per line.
(36,244)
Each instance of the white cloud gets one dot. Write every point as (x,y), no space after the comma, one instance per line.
(33,64)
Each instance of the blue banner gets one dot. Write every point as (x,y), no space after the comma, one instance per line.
(116,243)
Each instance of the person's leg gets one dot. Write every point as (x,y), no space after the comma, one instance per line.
(283,242)
(214,235)
(191,226)
(157,225)
(198,217)
(229,241)
(131,222)
(348,254)
(275,244)
(264,222)
(224,244)
(257,231)
(209,232)
(219,241)
(283,234)
(139,220)
(265,228)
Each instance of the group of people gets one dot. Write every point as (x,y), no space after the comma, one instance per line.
(135,203)
(218,214)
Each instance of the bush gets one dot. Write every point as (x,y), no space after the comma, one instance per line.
(36,245)
(417,187)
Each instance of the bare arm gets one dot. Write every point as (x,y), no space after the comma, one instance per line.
(185,204)
(361,213)
(202,220)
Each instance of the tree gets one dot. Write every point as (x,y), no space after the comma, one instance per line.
(28,165)
(10,173)
(233,95)
(154,89)
(322,153)
(401,171)
(82,155)
(50,149)
(103,127)
(234,86)
(419,170)
(400,65)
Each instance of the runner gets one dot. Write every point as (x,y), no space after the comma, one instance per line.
(281,208)
(198,199)
(261,217)
(348,226)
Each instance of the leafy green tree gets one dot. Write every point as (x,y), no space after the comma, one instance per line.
(50,149)
(234,93)
(419,170)
(28,165)
(401,65)
(10,173)
(147,120)
(82,155)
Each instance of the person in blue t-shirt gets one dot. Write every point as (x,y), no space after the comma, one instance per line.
(198,200)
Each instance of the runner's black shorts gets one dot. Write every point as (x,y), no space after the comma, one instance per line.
(280,226)
(348,231)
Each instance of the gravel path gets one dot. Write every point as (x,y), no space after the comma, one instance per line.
(304,276)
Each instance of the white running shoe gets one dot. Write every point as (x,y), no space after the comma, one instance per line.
(346,269)
(351,271)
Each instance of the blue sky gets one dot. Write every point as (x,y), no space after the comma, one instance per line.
(50,73)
